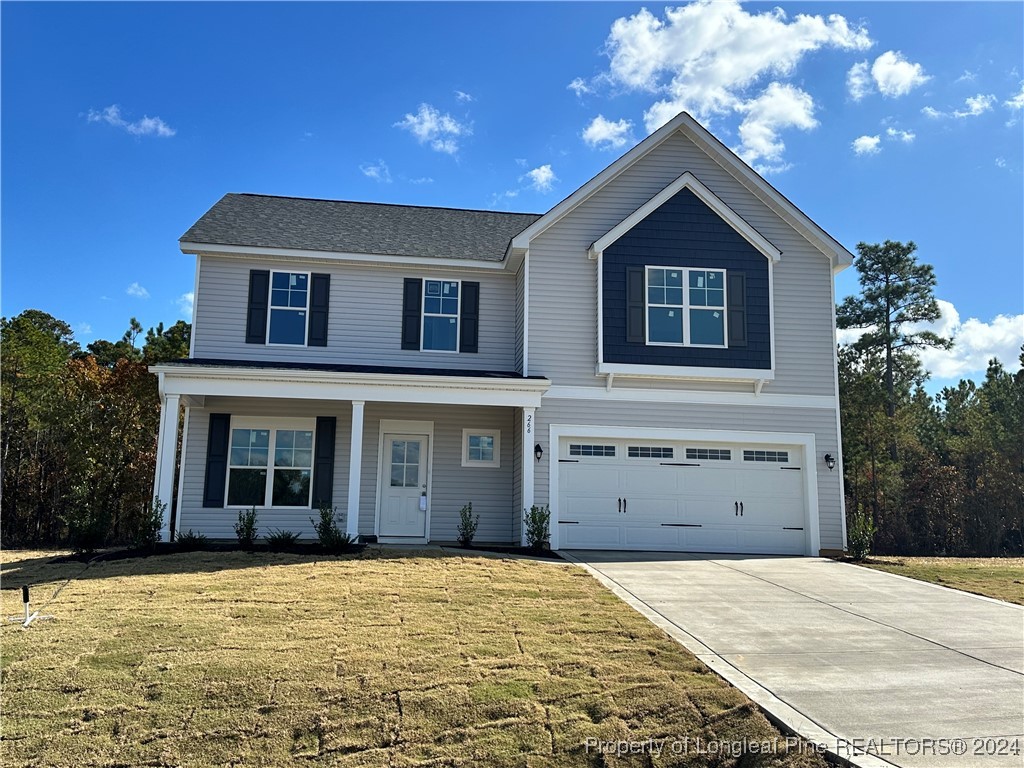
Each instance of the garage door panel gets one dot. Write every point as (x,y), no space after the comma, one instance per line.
(657,510)
(710,510)
(591,479)
(648,479)
(711,539)
(653,537)
(771,540)
(714,481)
(777,482)
(593,508)
(591,536)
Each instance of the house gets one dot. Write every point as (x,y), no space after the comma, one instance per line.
(654,358)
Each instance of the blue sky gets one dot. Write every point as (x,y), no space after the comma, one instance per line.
(122,123)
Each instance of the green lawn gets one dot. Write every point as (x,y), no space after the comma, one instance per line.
(998,577)
(379,659)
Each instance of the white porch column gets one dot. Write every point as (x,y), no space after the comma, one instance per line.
(528,441)
(355,467)
(166,446)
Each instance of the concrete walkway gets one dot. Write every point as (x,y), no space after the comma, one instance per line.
(844,654)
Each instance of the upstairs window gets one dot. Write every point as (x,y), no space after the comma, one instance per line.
(685,307)
(441,315)
(289,303)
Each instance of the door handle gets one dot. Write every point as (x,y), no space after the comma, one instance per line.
(624,505)
(620,506)
(741,509)
(736,508)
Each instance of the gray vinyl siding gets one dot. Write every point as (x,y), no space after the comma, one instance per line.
(490,489)
(364,321)
(817,421)
(520,315)
(563,281)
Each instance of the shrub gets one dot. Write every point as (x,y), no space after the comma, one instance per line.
(145,532)
(860,535)
(467,525)
(245,528)
(538,533)
(87,529)
(278,539)
(331,537)
(190,541)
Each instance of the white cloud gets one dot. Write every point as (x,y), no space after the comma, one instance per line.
(778,107)
(579,86)
(83,329)
(185,304)
(1000,162)
(858,81)
(463,96)
(542,178)
(137,291)
(606,134)
(706,57)
(907,137)
(932,113)
(440,131)
(866,145)
(1016,102)
(895,76)
(422,180)
(974,343)
(967,77)
(378,171)
(976,105)
(145,126)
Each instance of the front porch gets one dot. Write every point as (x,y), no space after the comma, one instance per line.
(396,452)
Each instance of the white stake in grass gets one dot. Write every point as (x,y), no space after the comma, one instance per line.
(30,616)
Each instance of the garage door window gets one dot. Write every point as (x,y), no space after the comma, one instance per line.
(649,452)
(779,457)
(584,449)
(709,454)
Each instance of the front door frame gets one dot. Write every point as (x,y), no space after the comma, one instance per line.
(404,427)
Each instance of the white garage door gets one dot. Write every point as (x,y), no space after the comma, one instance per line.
(678,496)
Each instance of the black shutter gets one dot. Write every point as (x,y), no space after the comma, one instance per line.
(736,308)
(319,303)
(469,317)
(259,298)
(323,461)
(216,459)
(635,305)
(412,300)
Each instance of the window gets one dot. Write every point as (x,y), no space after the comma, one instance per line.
(481,448)
(780,457)
(649,452)
(253,480)
(289,301)
(441,315)
(686,307)
(709,454)
(577,449)
(405,463)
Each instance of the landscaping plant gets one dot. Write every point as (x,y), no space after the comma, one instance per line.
(331,537)
(245,528)
(191,541)
(278,539)
(538,532)
(860,534)
(146,531)
(467,525)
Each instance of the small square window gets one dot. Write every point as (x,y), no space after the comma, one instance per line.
(481,448)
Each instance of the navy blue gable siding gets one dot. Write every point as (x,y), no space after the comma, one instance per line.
(684,232)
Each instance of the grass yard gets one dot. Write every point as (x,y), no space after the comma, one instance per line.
(998,577)
(384,658)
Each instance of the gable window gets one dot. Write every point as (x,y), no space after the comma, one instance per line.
(685,307)
(441,315)
(270,467)
(289,303)
(481,448)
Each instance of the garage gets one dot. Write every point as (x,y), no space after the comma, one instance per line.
(682,496)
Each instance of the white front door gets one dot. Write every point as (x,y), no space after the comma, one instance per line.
(403,482)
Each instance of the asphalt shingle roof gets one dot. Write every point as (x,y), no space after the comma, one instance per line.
(341,226)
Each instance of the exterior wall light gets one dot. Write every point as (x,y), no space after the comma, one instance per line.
(830,461)
(538,451)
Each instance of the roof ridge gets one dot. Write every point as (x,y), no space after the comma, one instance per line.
(385,205)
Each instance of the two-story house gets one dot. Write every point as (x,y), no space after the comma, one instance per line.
(654,358)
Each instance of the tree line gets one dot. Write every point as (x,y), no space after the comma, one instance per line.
(927,475)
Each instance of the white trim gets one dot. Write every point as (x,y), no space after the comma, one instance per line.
(304,310)
(272,424)
(195,310)
(181,467)
(688,181)
(528,460)
(526,315)
(355,468)
(412,428)
(839,419)
(215,249)
(686,372)
(424,313)
(805,441)
(167,443)
(771,319)
(492,433)
(685,307)
(369,387)
(600,308)
(691,396)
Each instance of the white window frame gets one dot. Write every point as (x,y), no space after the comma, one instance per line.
(271,307)
(272,424)
(685,308)
(493,433)
(424,314)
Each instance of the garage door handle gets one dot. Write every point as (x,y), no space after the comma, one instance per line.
(741,509)
(736,508)
(620,506)
(624,506)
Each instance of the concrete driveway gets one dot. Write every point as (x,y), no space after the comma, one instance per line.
(844,654)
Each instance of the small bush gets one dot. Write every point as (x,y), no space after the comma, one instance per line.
(467,525)
(860,535)
(331,537)
(278,539)
(87,529)
(190,541)
(145,532)
(538,532)
(245,528)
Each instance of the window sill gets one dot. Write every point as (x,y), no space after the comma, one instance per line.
(686,372)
